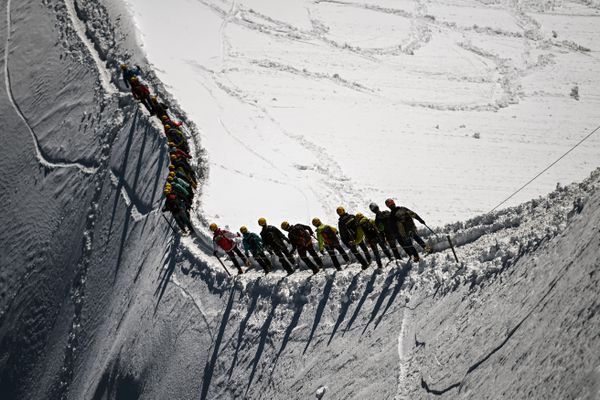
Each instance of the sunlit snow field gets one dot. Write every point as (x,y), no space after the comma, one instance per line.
(446,106)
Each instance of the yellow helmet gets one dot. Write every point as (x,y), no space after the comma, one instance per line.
(171,167)
(359,216)
(167,126)
(316,222)
(123,66)
(213,227)
(285,225)
(243,229)
(262,222)
(133,79)
(340,211)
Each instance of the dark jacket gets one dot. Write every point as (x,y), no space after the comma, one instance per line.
(174,204)
(159,108)
(348,228)
(300,236)
(273,237)
(385,224)
(176,136)
(402,220)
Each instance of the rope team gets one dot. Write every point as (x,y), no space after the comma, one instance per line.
(388,229)
(181,181)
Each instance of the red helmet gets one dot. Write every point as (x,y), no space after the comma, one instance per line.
(390,203)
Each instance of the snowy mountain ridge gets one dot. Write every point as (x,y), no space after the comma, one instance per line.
(99,300)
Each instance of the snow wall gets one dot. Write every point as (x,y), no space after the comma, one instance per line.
(99,300)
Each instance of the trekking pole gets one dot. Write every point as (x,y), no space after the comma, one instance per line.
(226,270)
(169,223)
(452,247)
(449,242)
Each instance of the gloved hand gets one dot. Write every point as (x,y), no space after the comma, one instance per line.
(214,253)
(352,243)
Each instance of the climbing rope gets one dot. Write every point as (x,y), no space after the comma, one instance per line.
(545,169)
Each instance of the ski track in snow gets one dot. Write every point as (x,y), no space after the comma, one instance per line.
(42,158)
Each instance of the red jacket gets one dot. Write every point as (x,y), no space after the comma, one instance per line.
(181,154)
(223,239)
(139,91)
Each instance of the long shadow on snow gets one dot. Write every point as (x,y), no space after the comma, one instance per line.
(122,173)
(286,338)
(165,273)
(382,295)
(264,333)
(401,277)
(158,177)
(123,240)
(368,289)
(241,331)
(210,365)
(320,310)
(142,206)
(345,306)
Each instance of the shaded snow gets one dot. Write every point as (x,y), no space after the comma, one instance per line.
(99,300)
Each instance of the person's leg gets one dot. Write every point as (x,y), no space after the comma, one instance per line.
(233,258)
(365,249)
(385,249)
(334,259)
(408,247)
(418,239)
(263,262)
(392,243)
(375,250)
(283,261)
(341,250)
(358,256)
(288,254)
(315,255)
(240,254)
(179,221)
(303,256)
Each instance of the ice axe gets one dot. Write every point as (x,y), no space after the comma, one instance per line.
(169,223)
(449,241)
(224,267)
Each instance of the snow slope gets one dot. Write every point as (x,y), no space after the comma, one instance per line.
(99,300)
(448,106)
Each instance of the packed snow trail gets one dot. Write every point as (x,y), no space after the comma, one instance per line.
(103,75)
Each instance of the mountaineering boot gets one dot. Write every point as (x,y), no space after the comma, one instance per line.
(416,258)
(428,249)
(240,271)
